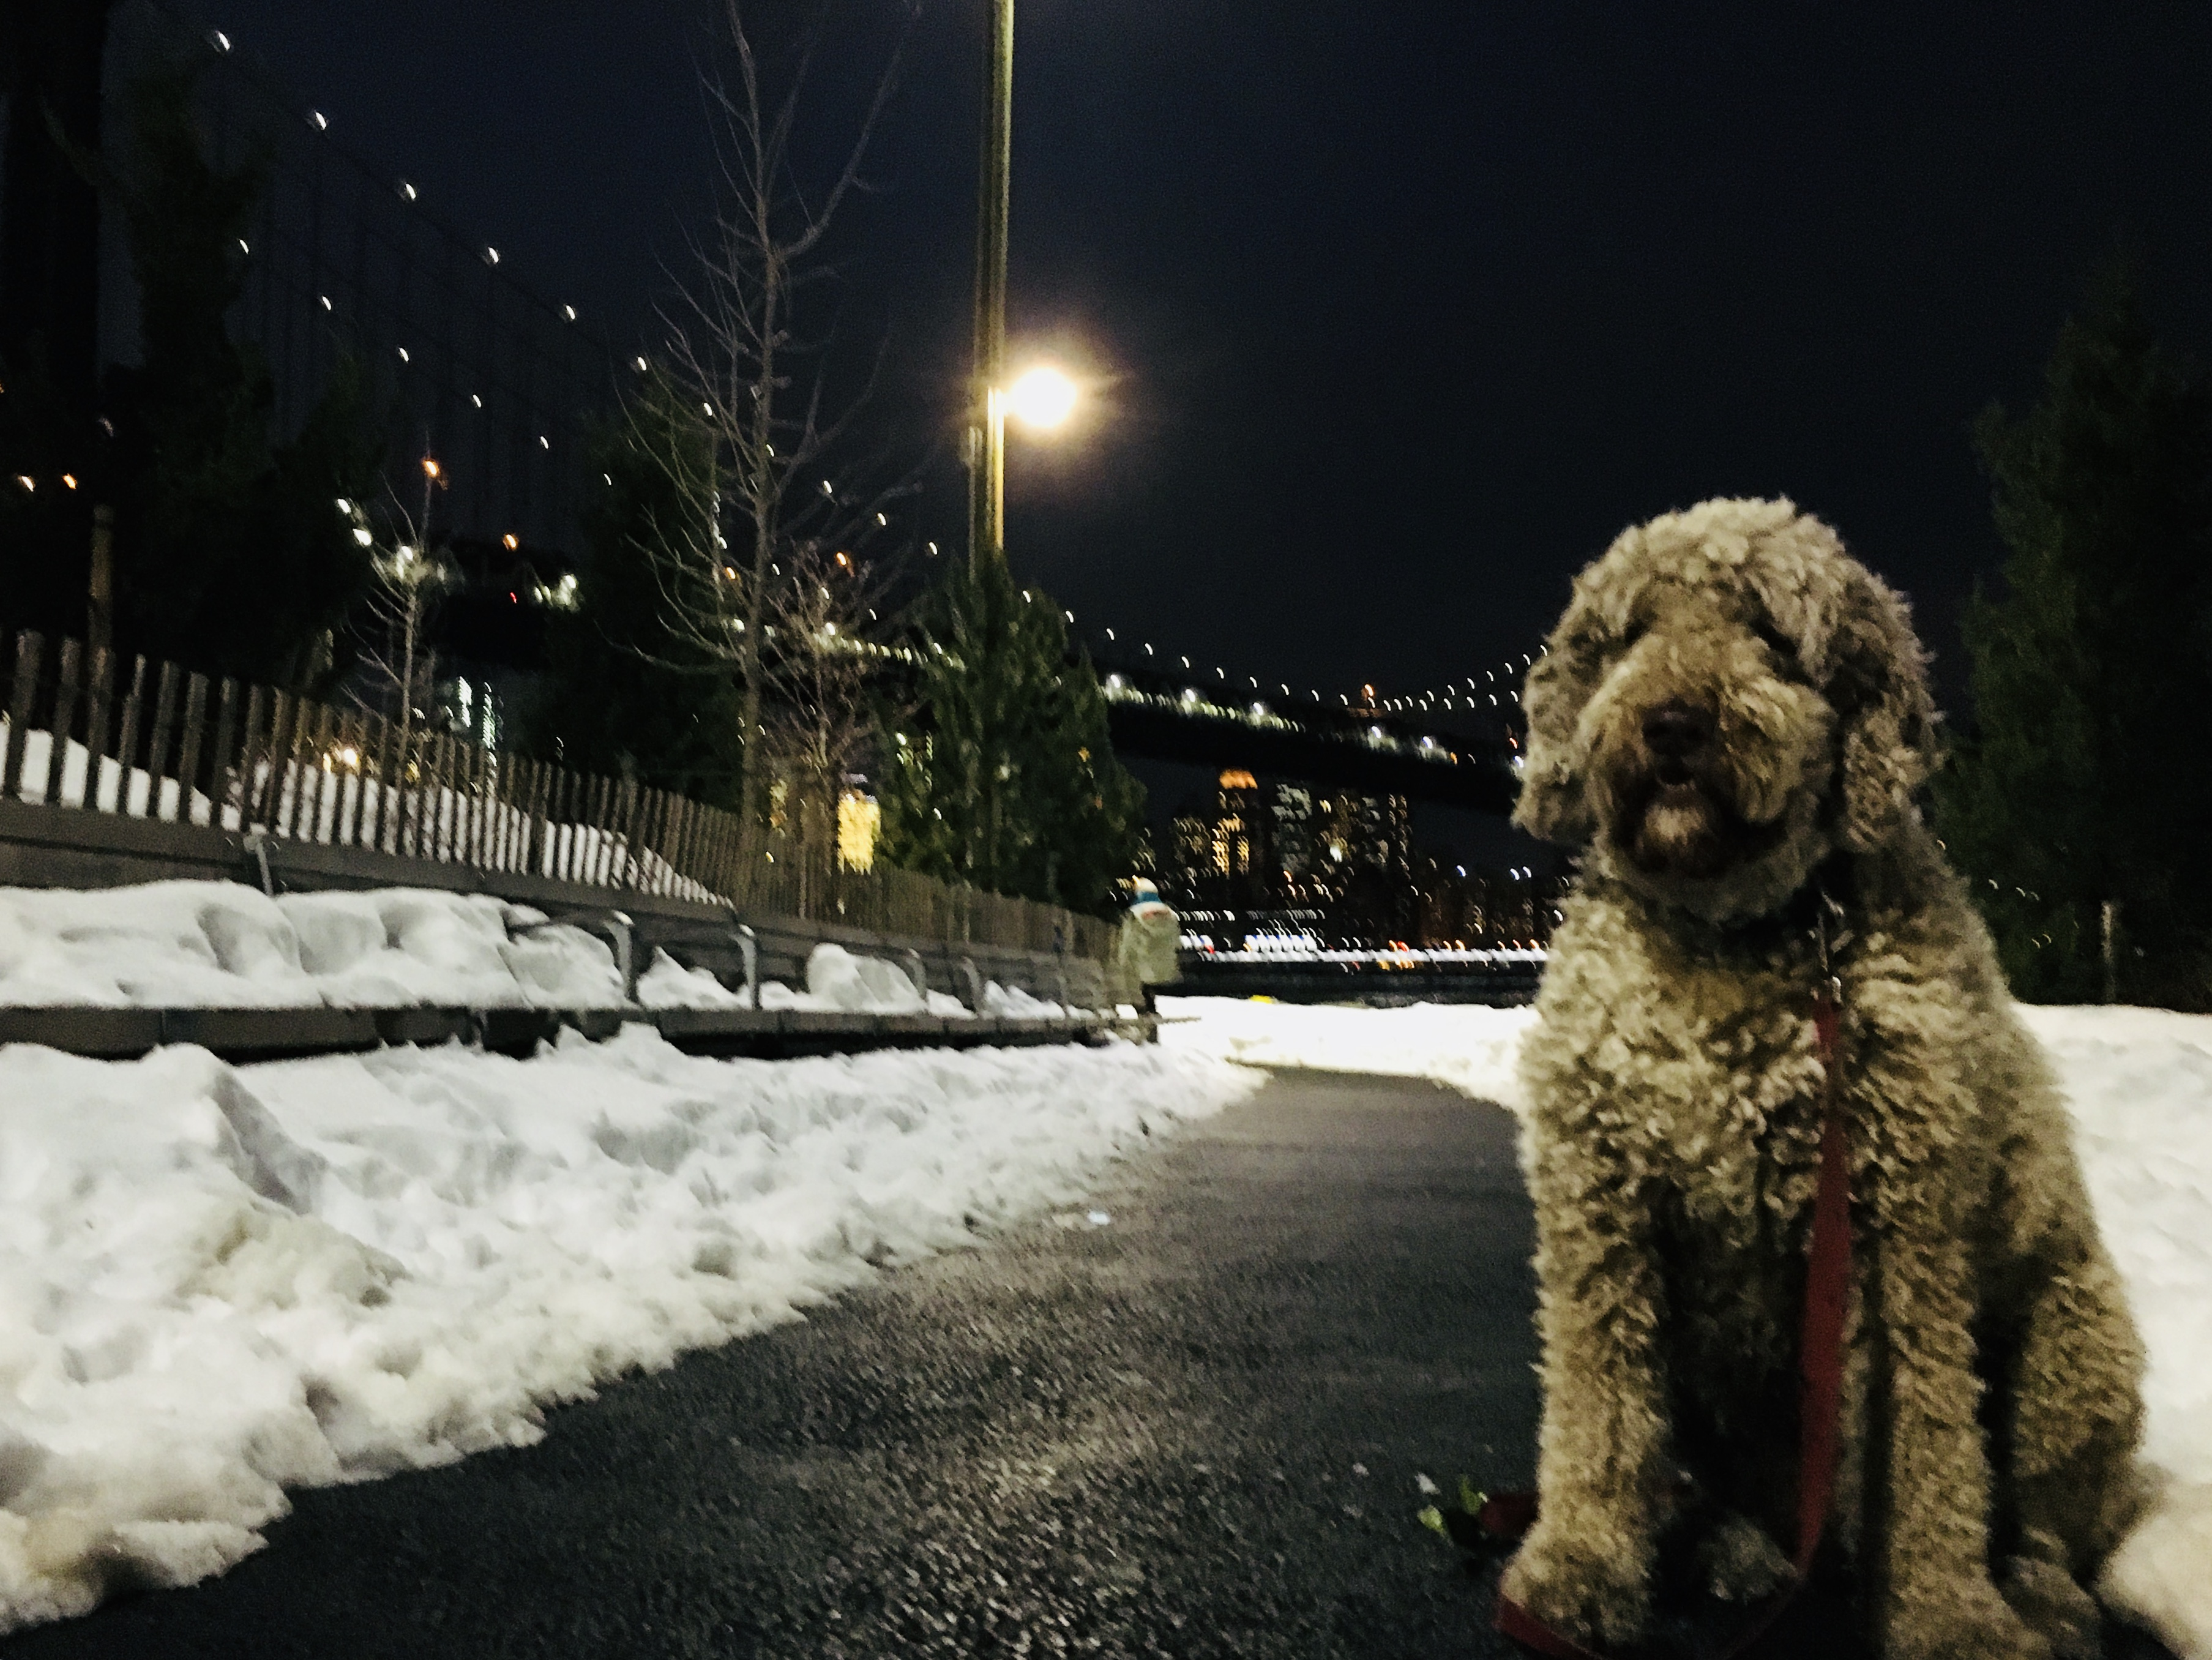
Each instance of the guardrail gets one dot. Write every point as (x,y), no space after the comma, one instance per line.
(156,742)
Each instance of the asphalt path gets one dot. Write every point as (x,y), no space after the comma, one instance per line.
(1196,1428)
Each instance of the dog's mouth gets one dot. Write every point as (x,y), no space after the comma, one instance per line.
(1679,823)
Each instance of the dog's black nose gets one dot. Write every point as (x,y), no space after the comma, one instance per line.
(1676,730)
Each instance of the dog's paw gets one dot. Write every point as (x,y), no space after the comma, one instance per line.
(2046,1597)
(1738,1563)
(1587,1595)
(1961,1623)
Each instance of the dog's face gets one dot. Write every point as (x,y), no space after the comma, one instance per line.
(1728,698)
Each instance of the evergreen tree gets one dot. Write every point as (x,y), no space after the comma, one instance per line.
(229,555)
(1007,779)
(2087,783)
(625,690)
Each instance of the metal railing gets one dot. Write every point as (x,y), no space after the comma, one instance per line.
(88,732)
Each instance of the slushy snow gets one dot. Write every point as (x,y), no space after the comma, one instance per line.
(217,1282)
(2139,1084)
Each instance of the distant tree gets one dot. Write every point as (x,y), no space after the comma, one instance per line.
(2081,806)
(228,556)
(625,690)
(748,343)
(1004,777)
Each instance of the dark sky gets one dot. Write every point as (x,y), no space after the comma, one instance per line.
(1405,309)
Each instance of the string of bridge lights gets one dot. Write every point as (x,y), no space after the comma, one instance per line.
(1497,693)
(1493,692)
(405,188)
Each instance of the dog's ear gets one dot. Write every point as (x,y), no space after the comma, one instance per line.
(1878,685)
(1554,797)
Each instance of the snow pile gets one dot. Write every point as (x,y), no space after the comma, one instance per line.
(837,982)
(836,979)
(215,1282)
(1469,1046)
(401,945)
(2139,1084)
(1012,1003)
(222,944)
(667,984)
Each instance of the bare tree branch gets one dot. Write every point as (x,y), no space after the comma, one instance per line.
(778,525)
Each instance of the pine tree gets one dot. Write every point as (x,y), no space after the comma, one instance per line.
(623,689)
(2087,783)
(1006,777)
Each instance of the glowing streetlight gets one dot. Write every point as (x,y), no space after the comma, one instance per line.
(1042,398)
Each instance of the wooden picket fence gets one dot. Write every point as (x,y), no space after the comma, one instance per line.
(158,741)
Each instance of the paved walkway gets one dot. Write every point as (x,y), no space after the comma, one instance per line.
(1192,1431)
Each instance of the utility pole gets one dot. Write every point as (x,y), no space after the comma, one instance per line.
(986,421)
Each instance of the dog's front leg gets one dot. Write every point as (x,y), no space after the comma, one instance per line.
(1932,1596)
(1601,1466)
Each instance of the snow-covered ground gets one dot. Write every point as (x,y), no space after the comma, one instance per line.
(2139,1082)
(222,944)
(1470,1047)
(216,1282)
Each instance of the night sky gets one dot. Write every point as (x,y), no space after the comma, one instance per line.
(1398,311)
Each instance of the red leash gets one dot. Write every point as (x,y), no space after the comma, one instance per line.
(1821,1378)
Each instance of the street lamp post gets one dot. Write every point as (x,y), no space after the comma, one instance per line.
(987,430)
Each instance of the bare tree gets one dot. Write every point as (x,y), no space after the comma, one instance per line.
(408,574)
(748,348)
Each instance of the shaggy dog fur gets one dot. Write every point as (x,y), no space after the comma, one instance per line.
(1731,720)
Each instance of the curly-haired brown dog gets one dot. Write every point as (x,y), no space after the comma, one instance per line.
(1731,717)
